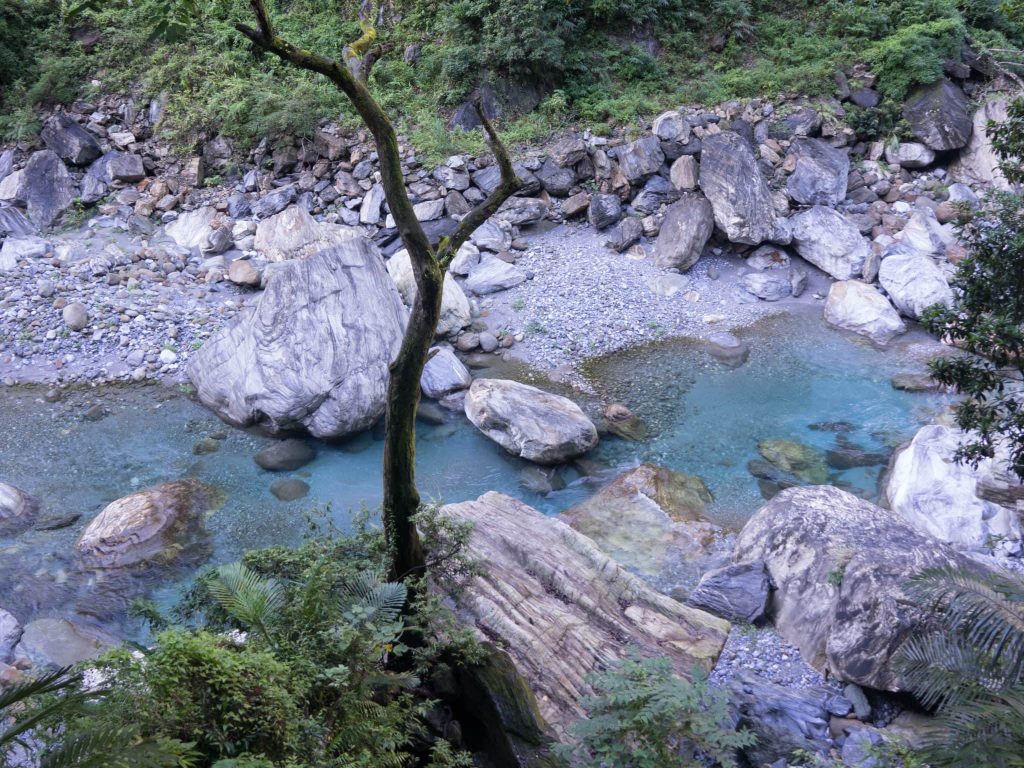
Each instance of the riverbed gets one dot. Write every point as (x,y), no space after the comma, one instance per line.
(801,381)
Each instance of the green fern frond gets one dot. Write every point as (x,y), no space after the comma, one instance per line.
(253,600)
(987,611)
(381,600)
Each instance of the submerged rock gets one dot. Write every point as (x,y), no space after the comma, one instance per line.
(291,489)
(801,460)
(562,610)
(17,509)
(314,352)
(946,499)
(286,455)
(841,566)
(149,527)
(529,422)
(63,642)
(646,514)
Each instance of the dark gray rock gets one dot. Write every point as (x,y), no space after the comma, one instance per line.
(784,719)
(69,140)
(285,456)
(275,202)
(291,489)
(820,175)
(685,231)
(802,121)
(46,188)
(489,178)
(641,158)
(940,116)
(866,98)
(736,592)
(604,211)
(556,179)
(568,151)
(628,231)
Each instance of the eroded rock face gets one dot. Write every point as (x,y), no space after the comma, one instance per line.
(914,283)
(861,308)
(314,352)
(841,567)
(644,515)
(455,312)
(562,609)
(529,422)
(938,495)
(739,195)
(939,116)
(149,527)
(685,231)
(978,161)
(17,509)
(830,242)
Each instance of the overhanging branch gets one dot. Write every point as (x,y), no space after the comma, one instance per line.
(510,184)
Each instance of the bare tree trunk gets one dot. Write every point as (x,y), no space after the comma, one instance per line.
(401,498)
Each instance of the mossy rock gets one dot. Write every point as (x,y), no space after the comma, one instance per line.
(798,459)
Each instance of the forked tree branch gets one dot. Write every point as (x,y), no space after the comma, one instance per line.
(510,184)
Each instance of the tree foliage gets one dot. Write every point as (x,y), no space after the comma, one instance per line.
(987,316)
(969,667)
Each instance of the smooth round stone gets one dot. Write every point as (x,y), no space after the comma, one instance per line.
(291,489)
(75,315)
(286,455)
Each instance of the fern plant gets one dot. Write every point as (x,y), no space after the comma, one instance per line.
(644,716)
(970,668)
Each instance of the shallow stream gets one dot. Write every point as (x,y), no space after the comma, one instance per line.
(802,381)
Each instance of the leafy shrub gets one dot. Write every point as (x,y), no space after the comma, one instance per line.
(644,716)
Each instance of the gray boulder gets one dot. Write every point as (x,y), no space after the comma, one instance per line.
(737,592)
(443,374)
(274,202)
(13,222)
(488,179)
(10,634)
(44,187)
(641,158)
(455,310)
(72,143)
(568,151)
(841,567)
(820,175)
(556,179)
(731,179)
(492,275)
(909,154)
(314,351)
(522,210)
(769,285)
(914,282)
(529,422)
(685,231)
(23,248)
(939,116)
(605,210)
(784,719)
(285,455)
(830,242)
(858,307)
(192,229)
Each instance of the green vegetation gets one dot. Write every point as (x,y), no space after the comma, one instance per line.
(644,716)
(987,317)
(970,668)
(292,657)
(592,62)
